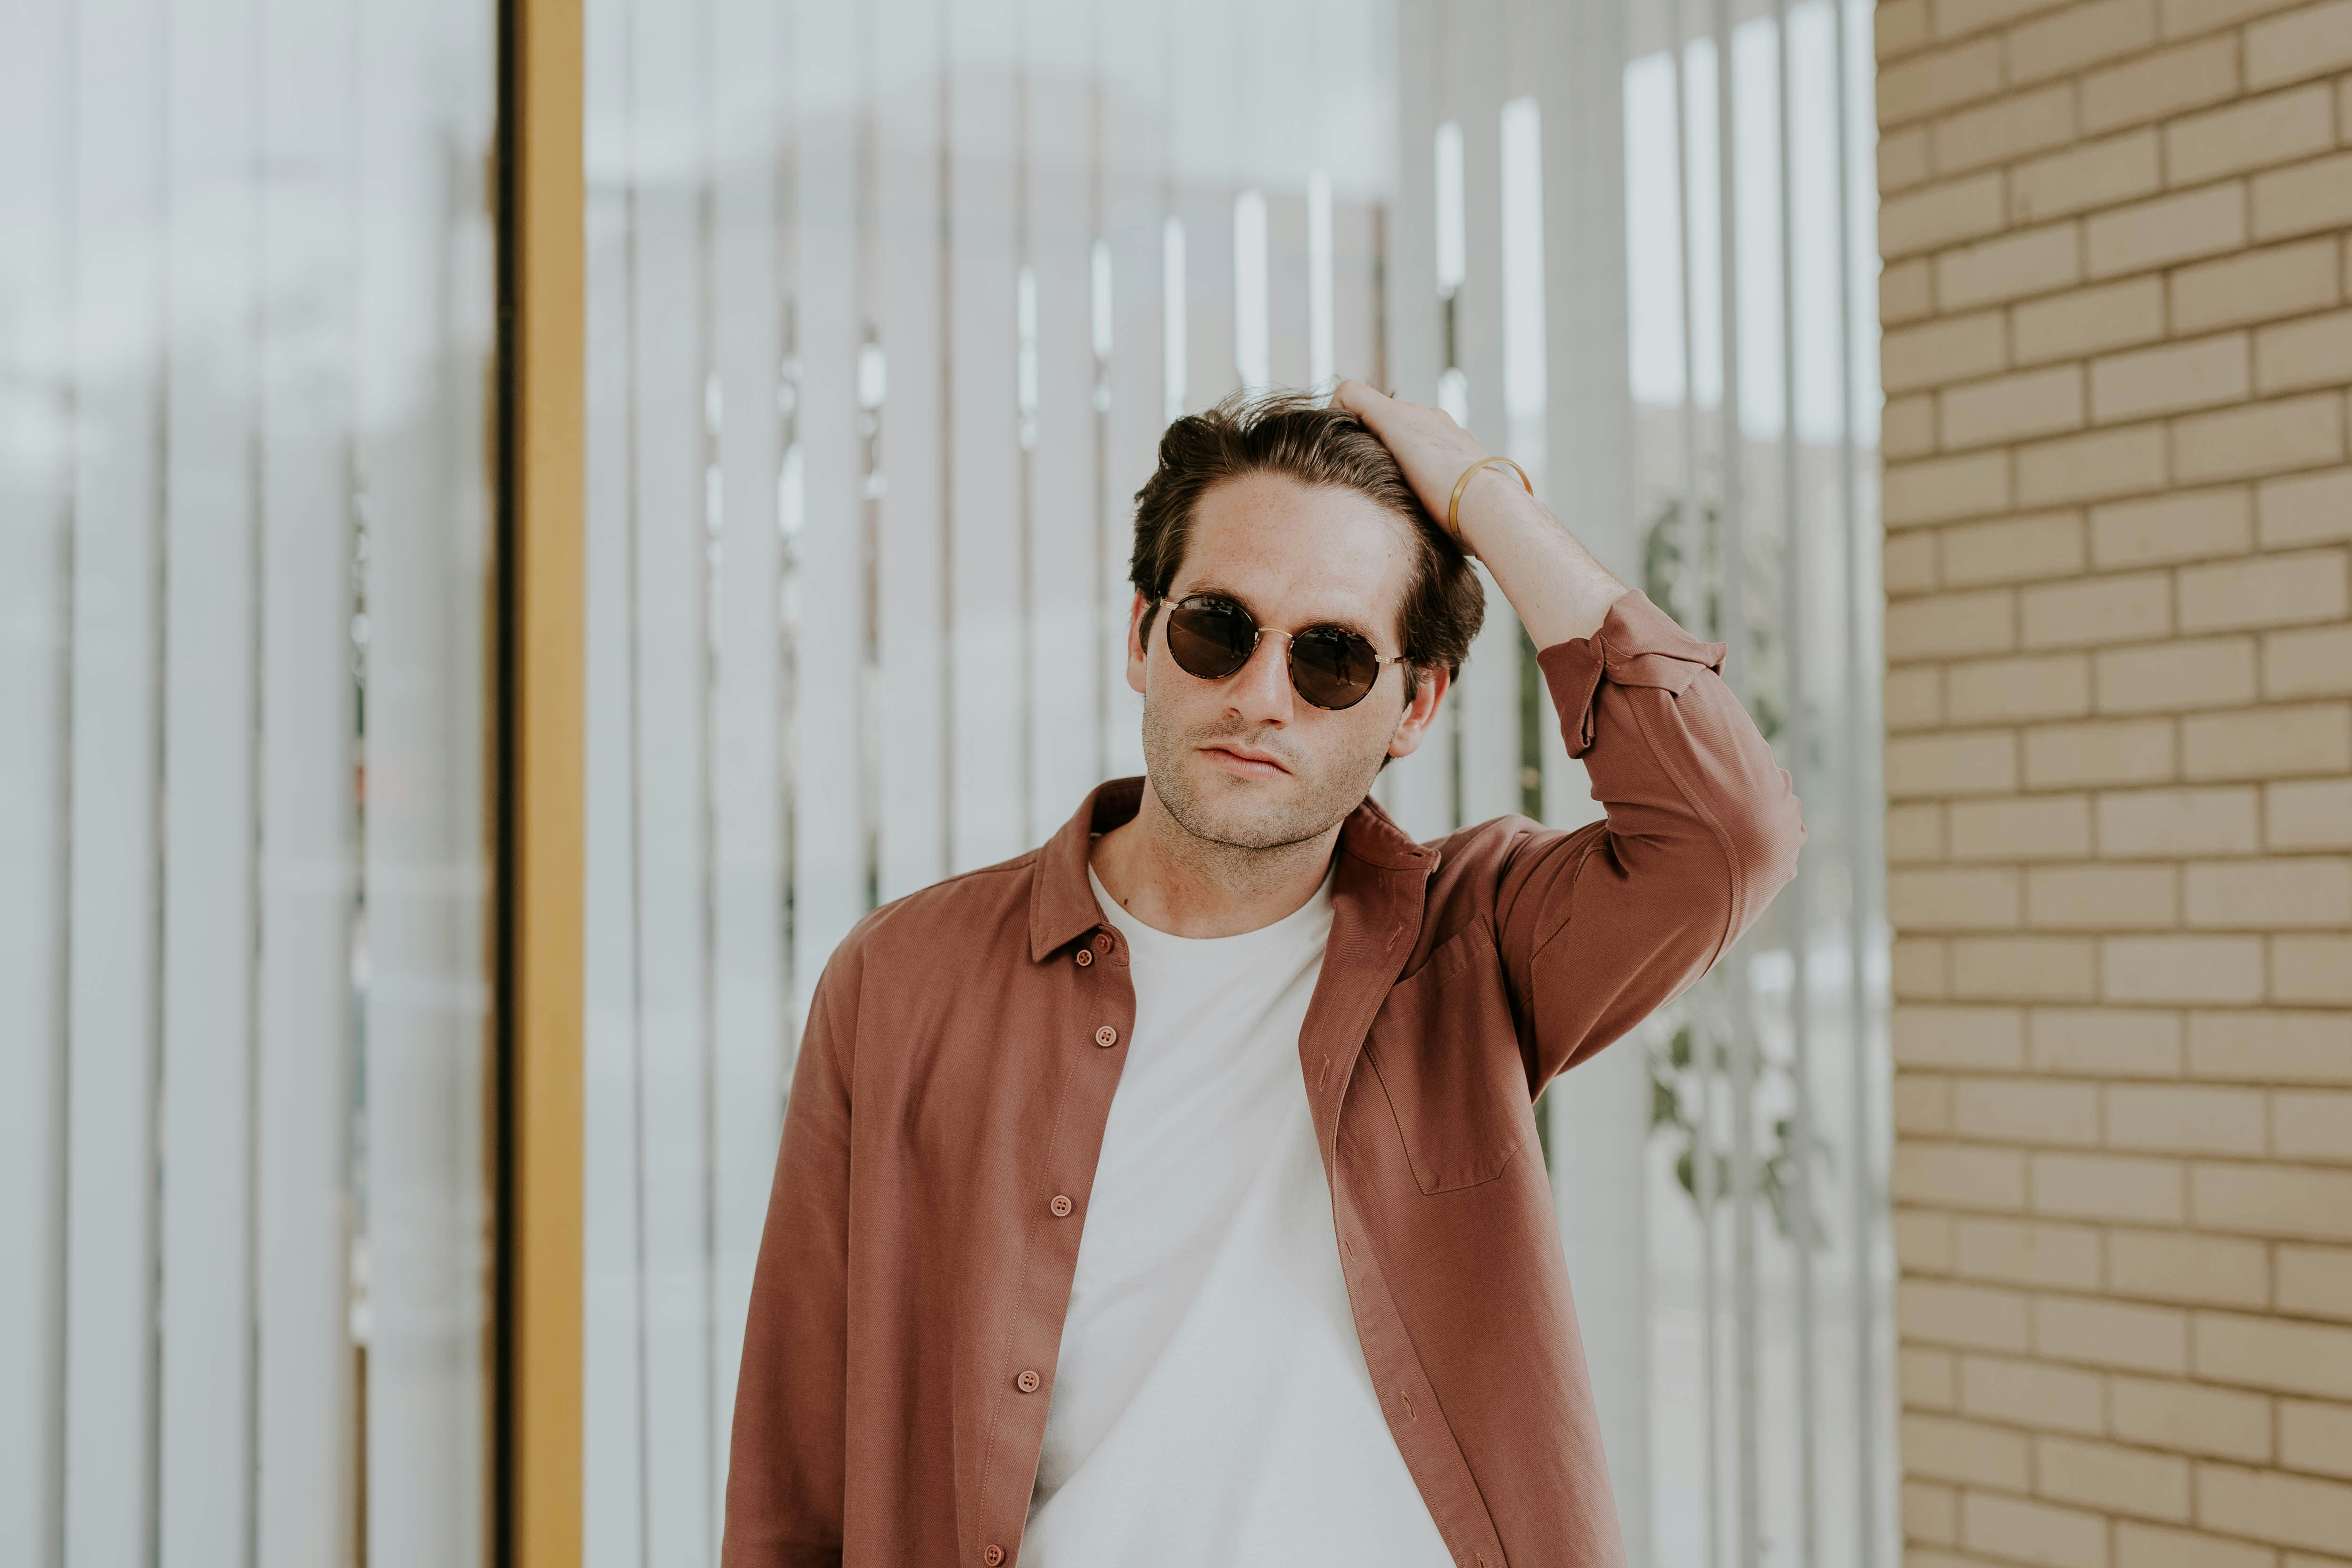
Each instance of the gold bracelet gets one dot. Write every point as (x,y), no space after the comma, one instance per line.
(1453,506)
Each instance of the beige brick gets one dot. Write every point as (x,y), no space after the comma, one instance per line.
(2189,76)
(1940,899)
(2270,895)
(2313,815)
(1972,762)
(2111,1334)
(1906,426)
(1922,1104)
(2268,1505)
(1900,26)
(2027,1111)
(2316,1282)
(2126,609)
(2012,549)
(2277,1046)
(1927,1379)
(2125,1043)
(2185,1119)
(2267,743)
(2303,197)
(2079,34)
(1943,214)
(1945,489)
(2101,897)
(2182,526)
(2186,969)
(1948,349)
(2252,134)
(2091,467)
(2191,1419)
(1915,833)
(2300,1203)
(2157,677)
(2314,663)
(2284,280)
(2305,509)
(1913,697)
(2313,1124)
(2294,355)
(1939,80)
(1958,1176)
(1919,968)
(2275,1353)
(1988,1038)
(1907,291)
(1904,161)
(2009,268)
(1955,17)
(2024,968)
(2197,375)
(2184,18)
(1931,1513)
(2167,230)
(2023,1531)
(2107,751)
(2315,1436)
(2007,129)
(2156,1546)
(2092,175)
(2268,591)
(1970,1316)
(2108,1187)
(2119,1481)
(1967,1451)
(1922,1241)
(1908,563)
(2065,1257)
(2009,408)
(2175,1266)
(2307,42)
(2036,827)
(2262,438)
(1942,625)
(2312,969)
(2172,822)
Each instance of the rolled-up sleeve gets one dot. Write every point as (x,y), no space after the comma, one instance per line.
(1601,926)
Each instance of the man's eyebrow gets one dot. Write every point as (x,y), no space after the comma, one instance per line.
(1211,590)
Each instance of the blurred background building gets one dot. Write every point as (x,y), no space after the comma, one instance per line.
(368,1198)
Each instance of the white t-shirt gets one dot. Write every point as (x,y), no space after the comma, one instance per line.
(1210,1406)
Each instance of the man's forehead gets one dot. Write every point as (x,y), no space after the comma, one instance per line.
(1290,552)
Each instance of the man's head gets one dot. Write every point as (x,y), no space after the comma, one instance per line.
(1298,515)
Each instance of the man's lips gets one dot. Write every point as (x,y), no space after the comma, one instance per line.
(1242,761)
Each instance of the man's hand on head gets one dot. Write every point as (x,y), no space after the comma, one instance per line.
(1428,445)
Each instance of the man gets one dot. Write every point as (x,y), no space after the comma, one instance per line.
(1168,1196)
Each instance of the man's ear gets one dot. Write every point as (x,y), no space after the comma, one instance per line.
(1136,659)
(1420,713)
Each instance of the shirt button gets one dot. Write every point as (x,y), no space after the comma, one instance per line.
(1060,1206)
(1086,957)
(1106,1037)
(994,1555)
(1102,943)
(1027,1382)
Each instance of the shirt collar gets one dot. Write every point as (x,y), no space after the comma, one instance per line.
(1062,904)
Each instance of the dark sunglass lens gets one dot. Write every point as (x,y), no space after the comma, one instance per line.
(1210,641)
(1333,669)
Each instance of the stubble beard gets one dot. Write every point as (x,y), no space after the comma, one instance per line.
(1317,799)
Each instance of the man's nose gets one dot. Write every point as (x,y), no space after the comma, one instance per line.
(1260,690)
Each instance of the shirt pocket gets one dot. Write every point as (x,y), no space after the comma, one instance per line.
(1447,1055)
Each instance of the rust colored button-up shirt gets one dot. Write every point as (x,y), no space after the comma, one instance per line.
(958,1067)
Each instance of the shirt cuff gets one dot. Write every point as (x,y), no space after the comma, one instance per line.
(1638,646)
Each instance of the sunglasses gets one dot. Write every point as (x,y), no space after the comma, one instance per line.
(1330,667)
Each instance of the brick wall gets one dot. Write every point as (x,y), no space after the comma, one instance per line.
(2119,766)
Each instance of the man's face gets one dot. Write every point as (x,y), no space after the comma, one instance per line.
(1246,761)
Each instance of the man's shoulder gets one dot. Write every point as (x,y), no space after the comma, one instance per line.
(969,915)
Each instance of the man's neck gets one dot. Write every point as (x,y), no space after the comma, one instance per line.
(1176,882)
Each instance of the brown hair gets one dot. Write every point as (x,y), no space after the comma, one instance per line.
(1294,435)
